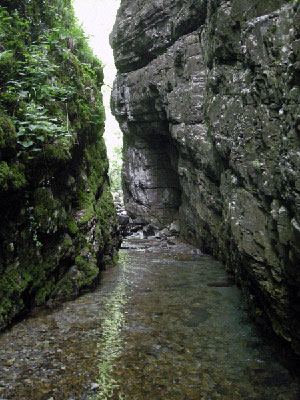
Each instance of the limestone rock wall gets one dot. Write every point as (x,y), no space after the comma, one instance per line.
(58,225)
(211,118)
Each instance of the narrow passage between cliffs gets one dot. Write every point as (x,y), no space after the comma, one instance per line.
(166,323)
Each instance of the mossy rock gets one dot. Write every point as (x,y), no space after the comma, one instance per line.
(53,162)
(11,176)
(72,225)
(8,136)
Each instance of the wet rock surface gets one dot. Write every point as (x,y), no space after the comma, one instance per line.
(166,323)
(211,126)
(139,227)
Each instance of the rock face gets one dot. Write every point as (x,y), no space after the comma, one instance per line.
(58,224)
(207,96)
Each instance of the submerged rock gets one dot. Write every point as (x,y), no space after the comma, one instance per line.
(207,96)
(149,230)
(123,219)
(175,228)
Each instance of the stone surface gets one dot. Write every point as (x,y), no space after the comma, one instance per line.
(123,219)
(210,115)
(149,230)
(145,29)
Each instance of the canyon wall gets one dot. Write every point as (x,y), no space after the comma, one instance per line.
(208,98)
(58,225)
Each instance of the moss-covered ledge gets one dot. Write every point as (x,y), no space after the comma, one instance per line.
(58,225)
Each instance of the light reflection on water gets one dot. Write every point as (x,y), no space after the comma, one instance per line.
(188,338)
(165,324)
(111,343)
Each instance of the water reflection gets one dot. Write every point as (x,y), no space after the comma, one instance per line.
(188,337)
(111,342)
(165,324)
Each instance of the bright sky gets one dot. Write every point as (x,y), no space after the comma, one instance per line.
(97,18)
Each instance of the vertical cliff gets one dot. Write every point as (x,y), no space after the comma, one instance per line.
(58,225)
(207,96)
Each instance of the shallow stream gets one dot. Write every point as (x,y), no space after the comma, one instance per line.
(165,324)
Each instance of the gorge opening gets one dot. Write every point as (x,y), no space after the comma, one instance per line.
(207,97)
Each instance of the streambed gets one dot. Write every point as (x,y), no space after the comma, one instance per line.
(165,323)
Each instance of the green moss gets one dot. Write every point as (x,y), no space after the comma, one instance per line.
(44,292)
(89,271)
(88,214)
(106,212)
(40,272)
(8,137)
(51,128)
(64,289)
(11,177)
(115,258)
(100,236)
(96,156)
(66,244)
(80,262)
(72,225)
(5,310)
(12,284)
(45,209)
(5,175)
(56,152)
(43,200)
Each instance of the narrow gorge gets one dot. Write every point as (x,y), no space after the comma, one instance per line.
(190,288)
(207,96)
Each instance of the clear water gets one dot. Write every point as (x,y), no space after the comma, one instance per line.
(164,324)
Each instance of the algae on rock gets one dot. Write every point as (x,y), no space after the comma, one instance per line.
(58,227)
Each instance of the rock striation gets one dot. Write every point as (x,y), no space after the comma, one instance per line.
(58,224)
(207,96)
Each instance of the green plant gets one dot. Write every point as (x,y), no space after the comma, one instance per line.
(53,163)
(38,67)
(38,128)
(115,168)
(33,225)
(257,163)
